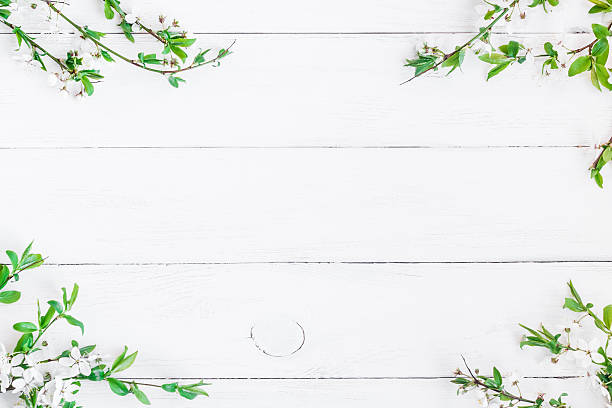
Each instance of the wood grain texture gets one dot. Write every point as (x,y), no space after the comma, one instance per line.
(262,205)
(327,16)
(297,202)
(360,321)
(302,91)
(330,394)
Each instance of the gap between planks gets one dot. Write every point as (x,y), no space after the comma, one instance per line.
(510,262)
(312,147)
(336,33)
(412,378)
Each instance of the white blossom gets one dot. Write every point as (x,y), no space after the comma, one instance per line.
(77,363)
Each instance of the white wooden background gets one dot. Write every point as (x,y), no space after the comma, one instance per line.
(399,227)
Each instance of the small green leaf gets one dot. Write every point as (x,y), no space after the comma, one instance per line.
(118,387)
(141,396)
(580,65)
(125,363)
(14,259)
(74,322)
(497,376)
(497,70)
(600,31)
(9,296)
(170,387)
(607,316)
(572,305)
(108,11)
(25,327)
(57,306)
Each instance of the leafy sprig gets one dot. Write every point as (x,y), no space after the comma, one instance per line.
(426,62)
(591,58)
(21,372)
(11,272)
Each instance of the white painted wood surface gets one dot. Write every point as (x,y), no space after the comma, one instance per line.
(398,227)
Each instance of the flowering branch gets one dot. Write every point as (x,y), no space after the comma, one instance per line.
(174,42)
(426,63)
(50,382)
(79,65)
(491,387)
(594,62)
(592,356)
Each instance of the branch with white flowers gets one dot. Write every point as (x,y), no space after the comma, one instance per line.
(565,343)
(591,58)
(77,73)
(43,379)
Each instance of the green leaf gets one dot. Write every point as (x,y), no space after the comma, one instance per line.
(494,58)
(57,306)
(14,259)
(497,70)
(4,276)
(141,396)
(513,49)
(600,31)
(581,64)
(607,316)
(108,11)
(9,296)
(170,387)
(25,327)
(74,322)
(46,320)
(25,343)
(125,363)
(497,376)
(127,30)
(119,359)
(118,387)
(89,88)
(106,56)
(174,80)
(595,79)
(187,394)
(572,305)
(596,175)
(73,295)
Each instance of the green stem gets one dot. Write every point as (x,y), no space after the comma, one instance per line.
(40,333)
(36,45)
(122,13)
(467,44)
(126,59)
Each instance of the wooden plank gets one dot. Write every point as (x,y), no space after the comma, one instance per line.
(331,394)
(301,91)
(324,16)
(262,205)
(370,321)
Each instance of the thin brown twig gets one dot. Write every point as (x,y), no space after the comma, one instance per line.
(128,60)
(467,44)
(502,392)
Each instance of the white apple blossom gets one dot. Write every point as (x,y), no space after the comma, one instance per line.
(482,399)
(78,363)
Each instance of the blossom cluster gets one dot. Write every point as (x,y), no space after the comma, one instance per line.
(41,378)
(76,73)
(570,343)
